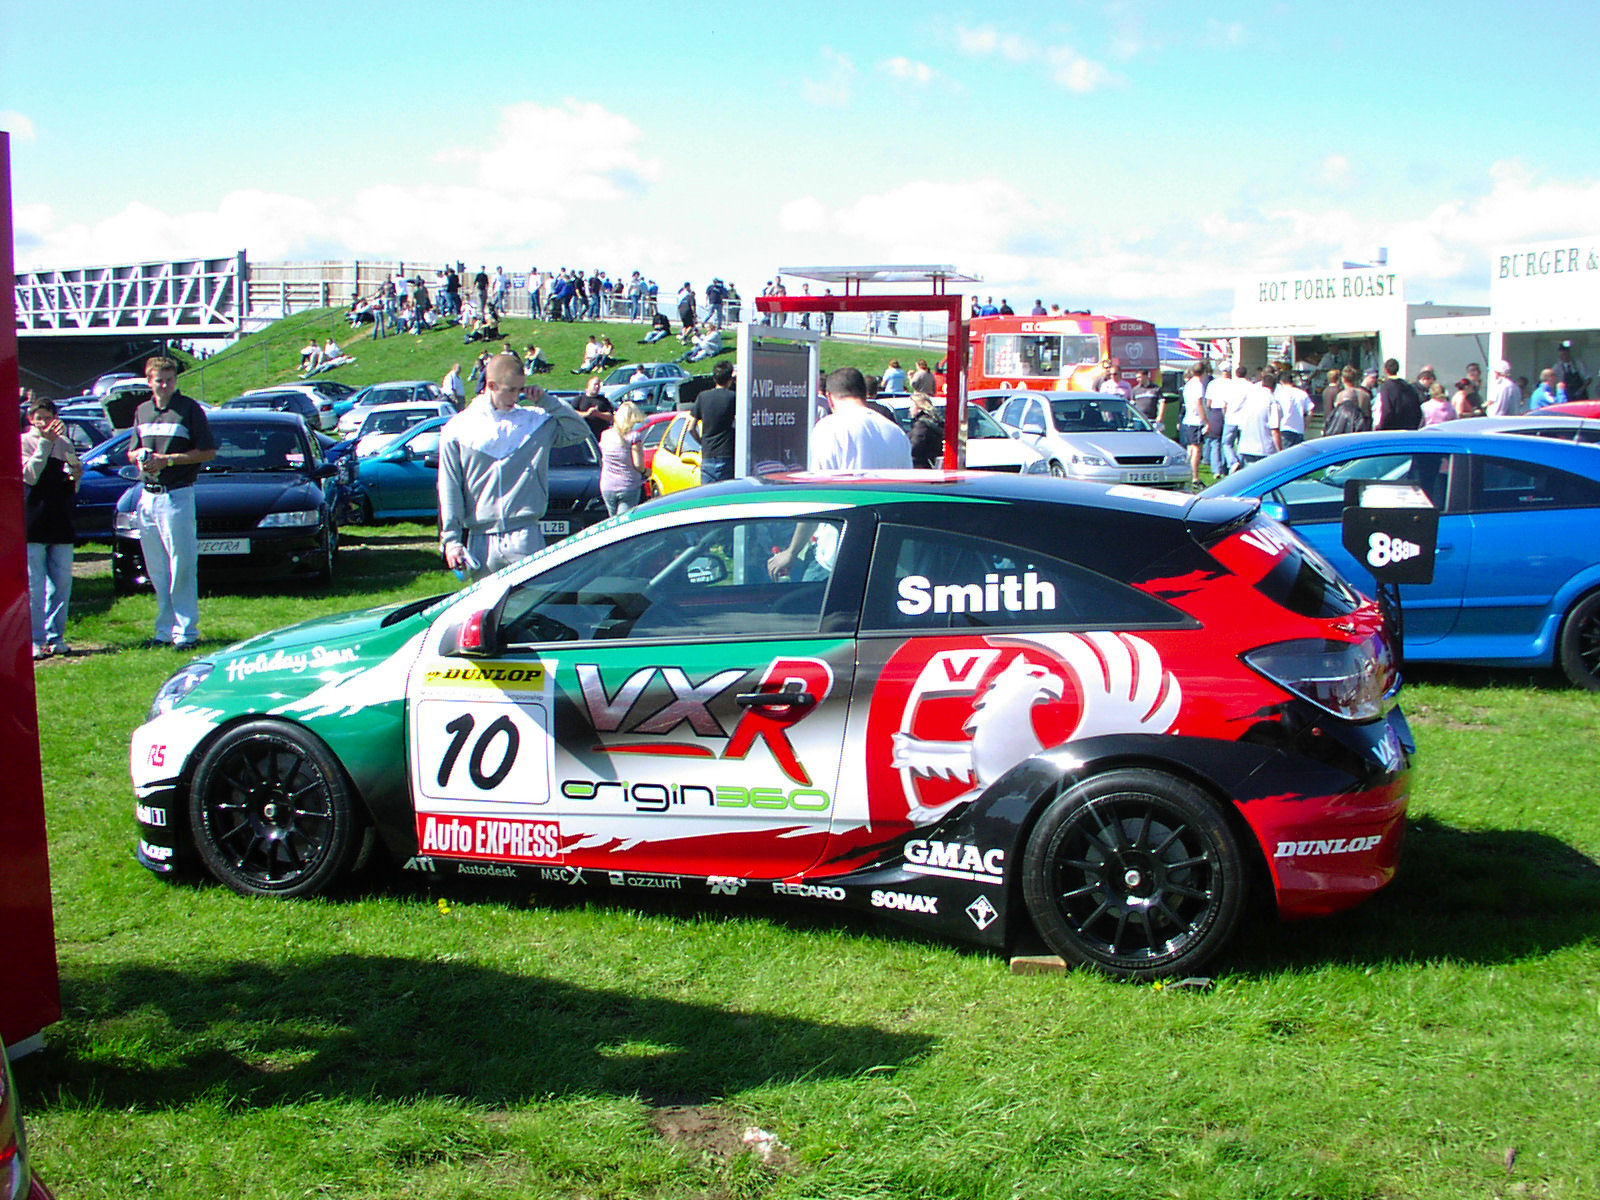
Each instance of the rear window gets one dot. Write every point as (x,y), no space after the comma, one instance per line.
(1286,570)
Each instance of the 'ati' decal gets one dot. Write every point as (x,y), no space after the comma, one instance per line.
(614,712)
(950,719)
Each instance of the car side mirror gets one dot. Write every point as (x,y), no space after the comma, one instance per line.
(478,636)
(431,459)
(324,470)
(1278,512)
(129,472)
(1033,428)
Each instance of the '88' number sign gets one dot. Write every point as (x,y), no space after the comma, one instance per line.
(483,751)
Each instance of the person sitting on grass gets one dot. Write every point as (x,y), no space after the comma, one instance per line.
(707,345)
(592,355)
(534,362)
(310,355)
(660,327)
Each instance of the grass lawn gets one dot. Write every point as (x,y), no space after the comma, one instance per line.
(408,1039)
(273,355)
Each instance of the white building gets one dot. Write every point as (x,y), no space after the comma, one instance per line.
(1351,316)
(1540,295)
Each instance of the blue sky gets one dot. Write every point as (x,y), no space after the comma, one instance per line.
(1132,157)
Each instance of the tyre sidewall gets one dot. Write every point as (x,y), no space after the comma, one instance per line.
(1198,810)
(336,849)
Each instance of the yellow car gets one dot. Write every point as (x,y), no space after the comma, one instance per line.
(677,459)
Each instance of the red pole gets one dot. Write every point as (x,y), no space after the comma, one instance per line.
(31,996)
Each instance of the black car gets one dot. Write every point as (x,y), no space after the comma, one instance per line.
(267,506)
(302,405)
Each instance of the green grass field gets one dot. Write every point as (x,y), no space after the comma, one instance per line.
(408,1039)
(273,355)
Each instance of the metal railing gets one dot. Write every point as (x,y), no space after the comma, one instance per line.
(173,298)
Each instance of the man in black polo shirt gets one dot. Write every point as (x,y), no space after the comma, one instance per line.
(713,413)
(171,439)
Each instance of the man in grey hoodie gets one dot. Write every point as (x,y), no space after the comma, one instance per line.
(494,468)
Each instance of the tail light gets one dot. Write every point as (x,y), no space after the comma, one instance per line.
(1347,679)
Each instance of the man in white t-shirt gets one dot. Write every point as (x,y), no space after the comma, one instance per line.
(1294,406)
(850,438)
(1259,420)
(1505,397)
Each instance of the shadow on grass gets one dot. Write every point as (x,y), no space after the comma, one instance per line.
(360,1028)
(1466,896)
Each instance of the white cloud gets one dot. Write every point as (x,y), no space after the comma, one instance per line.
(909,69)
(1067,66)
(545,168)
(805,214)
(832,88)
(17,124)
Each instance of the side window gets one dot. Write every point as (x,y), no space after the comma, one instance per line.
(426,442)
(932,579)
(1506,485)
(1318,495)
(688,583)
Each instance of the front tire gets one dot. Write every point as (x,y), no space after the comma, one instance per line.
(1580,643)
(271,813)
(1057,470)
(1135,873)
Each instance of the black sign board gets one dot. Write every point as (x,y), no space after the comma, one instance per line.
(1391,529)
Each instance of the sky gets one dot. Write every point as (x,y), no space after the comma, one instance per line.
(1137,158)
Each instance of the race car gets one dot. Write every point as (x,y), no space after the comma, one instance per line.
(1001,708)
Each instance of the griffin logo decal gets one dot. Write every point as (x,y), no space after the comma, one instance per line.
(975,710)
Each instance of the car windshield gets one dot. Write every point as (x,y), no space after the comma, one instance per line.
(378,394)
(981,425)
(257,448)
(393,422)
(579,454)
(1097,416)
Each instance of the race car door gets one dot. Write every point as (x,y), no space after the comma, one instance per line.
(690,709)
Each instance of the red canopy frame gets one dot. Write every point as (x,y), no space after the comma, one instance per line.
(851,278)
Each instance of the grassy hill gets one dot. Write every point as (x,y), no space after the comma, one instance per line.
(273,355)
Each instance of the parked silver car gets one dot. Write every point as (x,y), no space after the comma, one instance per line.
(1094,436)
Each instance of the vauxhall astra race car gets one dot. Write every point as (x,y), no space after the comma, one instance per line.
(1120,717)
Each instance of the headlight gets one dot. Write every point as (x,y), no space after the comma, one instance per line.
(304,519)
(1347,679)
(1088,460)
(179,686)
(126,524)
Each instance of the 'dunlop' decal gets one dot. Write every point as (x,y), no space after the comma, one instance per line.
(950,717)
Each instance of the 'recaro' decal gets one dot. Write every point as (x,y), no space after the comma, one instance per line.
(974,708)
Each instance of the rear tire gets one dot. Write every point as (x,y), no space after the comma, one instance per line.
(1136,874)
(1580,643)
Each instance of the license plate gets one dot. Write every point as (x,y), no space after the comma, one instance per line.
(1144,477)
(224,545)
(555,528)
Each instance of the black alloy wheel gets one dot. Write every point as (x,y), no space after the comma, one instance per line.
(271,812)
(1580,643)
(1135,873)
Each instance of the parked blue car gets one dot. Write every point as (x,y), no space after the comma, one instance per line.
(401,482)
(1517,575)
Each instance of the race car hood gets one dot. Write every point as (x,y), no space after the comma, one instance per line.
(314,647)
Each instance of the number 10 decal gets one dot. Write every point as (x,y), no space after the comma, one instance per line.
(483,751)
